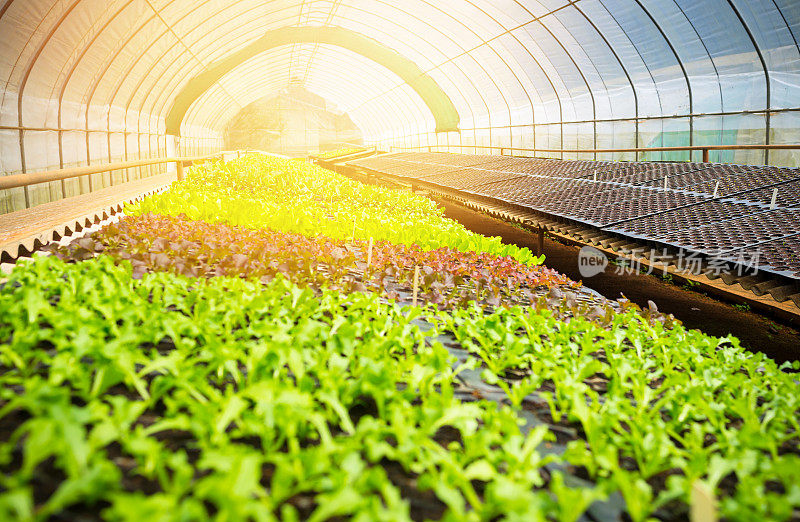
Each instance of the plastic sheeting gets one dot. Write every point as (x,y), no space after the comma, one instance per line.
(292,124)
(90,81)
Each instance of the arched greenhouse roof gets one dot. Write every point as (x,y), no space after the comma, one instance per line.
(89,81)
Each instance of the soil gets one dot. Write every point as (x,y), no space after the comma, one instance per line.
(696,310)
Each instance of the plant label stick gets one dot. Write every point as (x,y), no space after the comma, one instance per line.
(774,200)
(369,252)
(416,283)
(666,182)
(703,505)
(716,189)
(595,175)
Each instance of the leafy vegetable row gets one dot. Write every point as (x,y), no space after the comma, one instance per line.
(183,398)
(648,411)
(225,397)
(294,196)
(197,248)
(338,153)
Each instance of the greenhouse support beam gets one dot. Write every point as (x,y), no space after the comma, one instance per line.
(33,178)
(439,103)
(705,149)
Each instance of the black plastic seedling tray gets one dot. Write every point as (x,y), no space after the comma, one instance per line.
(710,209)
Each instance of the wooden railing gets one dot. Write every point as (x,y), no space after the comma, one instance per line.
(704,148)
(33,178)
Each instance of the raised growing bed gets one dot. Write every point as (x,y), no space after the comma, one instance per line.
(667,205)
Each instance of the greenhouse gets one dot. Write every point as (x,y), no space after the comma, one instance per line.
(524,260)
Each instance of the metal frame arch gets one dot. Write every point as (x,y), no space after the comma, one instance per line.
(710,59)
(646,66)
(466,52)
(177,37)
(592,65)
(767,81)
(244,37)
(37,54)
(101,26)
(674,51)
(392,22)
(560,87)
(18,59)
(335,4)
(524,89)
(89,96)
(445,35)
(5,7)
(151,67)
(154,63)
(437,100)
(510,33)
(503,60)
(211,119)
(797,44)
(681,64)
(558,96)
(176,72)
(785,21)
(23,83)
(212,122)
(705,48)
(644,62)
(188,64)
(99,79)
(557,92)
(168,94)
(484,42)
(158,77)
(512,71)
(619,61)
(585,81)
(122,80)
(65,84)
(178,42)
(260,29)
(549,80)
(110,101)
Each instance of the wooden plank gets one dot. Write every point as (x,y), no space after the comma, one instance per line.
(24,229)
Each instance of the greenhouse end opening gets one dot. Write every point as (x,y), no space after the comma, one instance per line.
(367,260)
